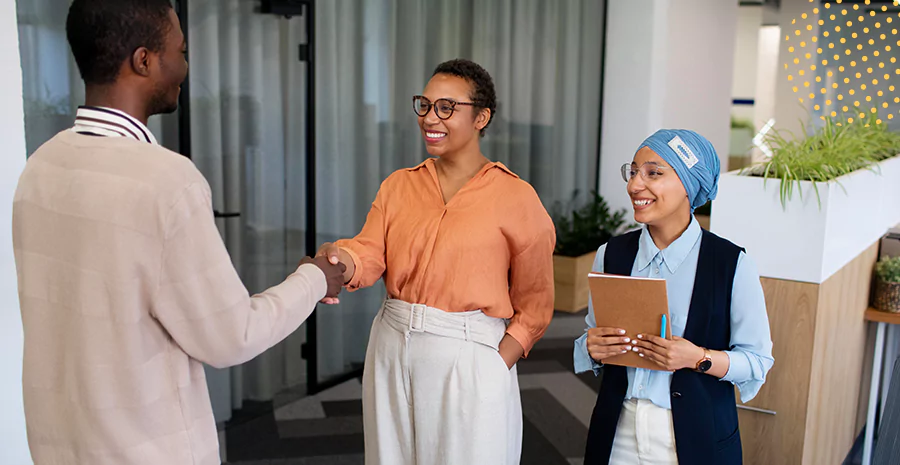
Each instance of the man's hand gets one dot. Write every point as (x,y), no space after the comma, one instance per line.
(603,343)
(336,255)
(334,276)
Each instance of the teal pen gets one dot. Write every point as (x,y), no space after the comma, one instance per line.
(663,330)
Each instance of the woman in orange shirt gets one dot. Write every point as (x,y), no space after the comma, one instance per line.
(465,248)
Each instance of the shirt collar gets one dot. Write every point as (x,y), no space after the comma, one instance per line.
(674,254)
(493,164)
(109,122)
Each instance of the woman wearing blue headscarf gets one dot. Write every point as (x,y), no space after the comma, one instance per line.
(685,411)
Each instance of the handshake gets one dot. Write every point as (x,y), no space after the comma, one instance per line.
(337,266)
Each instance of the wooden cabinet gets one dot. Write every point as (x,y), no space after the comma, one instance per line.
(819,333)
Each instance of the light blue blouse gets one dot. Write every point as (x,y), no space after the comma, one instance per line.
(750,356)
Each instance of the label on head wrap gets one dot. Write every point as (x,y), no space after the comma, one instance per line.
(684,152)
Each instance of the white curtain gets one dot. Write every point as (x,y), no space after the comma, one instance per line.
(248,129)
(52,87)
(374,55)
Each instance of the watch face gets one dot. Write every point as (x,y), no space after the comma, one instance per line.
(705,366)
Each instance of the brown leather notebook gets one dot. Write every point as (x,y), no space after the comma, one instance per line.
(636,305)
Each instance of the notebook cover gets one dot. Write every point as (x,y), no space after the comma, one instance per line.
(633,304)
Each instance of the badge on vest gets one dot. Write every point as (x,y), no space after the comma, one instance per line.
(684,152)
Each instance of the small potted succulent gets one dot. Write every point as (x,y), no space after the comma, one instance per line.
(887,284)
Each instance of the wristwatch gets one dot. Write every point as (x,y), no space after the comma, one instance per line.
(705,363)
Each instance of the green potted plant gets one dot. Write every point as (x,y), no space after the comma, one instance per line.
(741,142)
(580,231)
(887,285)
(819,201)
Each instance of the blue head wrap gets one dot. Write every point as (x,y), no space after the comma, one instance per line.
(694,160)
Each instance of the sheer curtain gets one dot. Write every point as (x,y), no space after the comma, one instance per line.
(52,87)
(247,140)
(247,120)
(247,128)
(374,55)
(544,56)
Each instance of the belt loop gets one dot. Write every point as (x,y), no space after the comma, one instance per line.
(468,336)
(413,327)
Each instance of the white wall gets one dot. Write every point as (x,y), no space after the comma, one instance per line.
(700,65)
(632,88)
(746,54)
(746,44)
(13,443)
(668,64)
(767,74)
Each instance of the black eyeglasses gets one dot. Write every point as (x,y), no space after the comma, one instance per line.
(443,107)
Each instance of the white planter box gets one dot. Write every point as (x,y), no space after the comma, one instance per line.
(803,242)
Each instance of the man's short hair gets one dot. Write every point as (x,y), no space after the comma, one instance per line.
(105,33)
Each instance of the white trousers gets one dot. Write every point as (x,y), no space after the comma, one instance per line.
(645,435)
(436,391)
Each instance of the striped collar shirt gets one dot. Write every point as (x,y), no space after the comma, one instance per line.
(108,122)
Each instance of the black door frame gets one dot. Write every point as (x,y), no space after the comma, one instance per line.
(307,55)
(184,99)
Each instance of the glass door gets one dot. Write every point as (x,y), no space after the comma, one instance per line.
(244,117)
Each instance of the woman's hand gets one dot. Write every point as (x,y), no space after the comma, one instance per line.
(336,255)
(510,350)
(671,355)
(603,343)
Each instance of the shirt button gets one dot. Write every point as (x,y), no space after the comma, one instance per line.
(641,387)
(656,270)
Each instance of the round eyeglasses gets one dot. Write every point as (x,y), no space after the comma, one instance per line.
(649,171)
(443,107)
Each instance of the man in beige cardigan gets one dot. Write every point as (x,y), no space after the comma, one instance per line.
(124,282)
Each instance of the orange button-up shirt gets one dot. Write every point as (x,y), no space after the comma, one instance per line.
(489,248)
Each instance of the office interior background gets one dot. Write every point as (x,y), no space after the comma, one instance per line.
(295,121)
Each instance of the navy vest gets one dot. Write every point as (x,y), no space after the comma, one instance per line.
(703,407)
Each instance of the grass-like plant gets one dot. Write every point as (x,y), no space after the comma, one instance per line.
(888,269)
(839,147)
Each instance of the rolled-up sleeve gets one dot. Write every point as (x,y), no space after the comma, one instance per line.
(531,287)
(201,301)
(582,358)
(367,249)
(750,356)
(531,238)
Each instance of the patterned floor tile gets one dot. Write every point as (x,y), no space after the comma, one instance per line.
(327,428)
(320,427)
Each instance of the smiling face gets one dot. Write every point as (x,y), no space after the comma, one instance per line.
(451,135)
(657,194)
